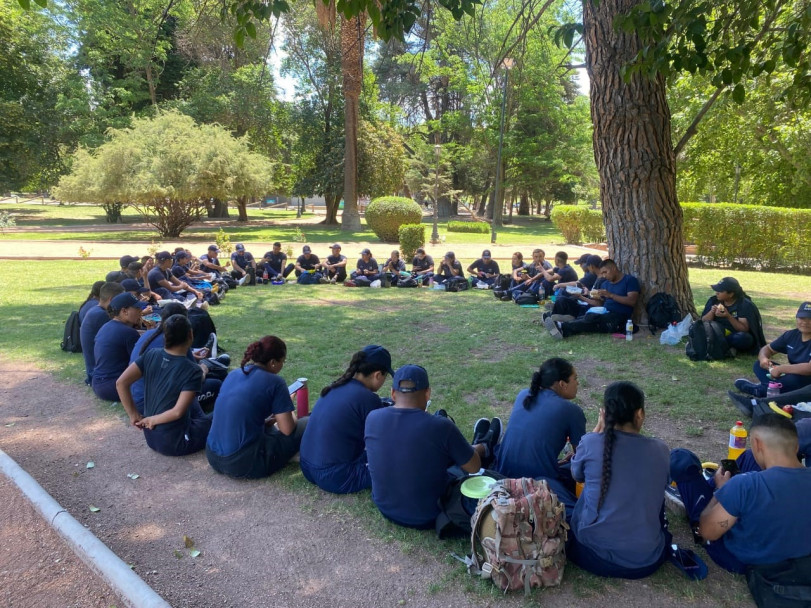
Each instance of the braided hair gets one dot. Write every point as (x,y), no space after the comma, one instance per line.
(262,351)
(176,330)
(95,292)
(171,309)
(357,365)
(551,371)
(621,402)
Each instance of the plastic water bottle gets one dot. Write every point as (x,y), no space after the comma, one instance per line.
(737,440)
(629,330)
(773,390)
(302,399)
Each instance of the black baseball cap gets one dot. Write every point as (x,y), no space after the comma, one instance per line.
(415,374)
(726,284)
(377,355)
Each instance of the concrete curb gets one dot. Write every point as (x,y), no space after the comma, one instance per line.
(94,553)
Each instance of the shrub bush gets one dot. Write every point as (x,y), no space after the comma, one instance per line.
(570,219)
(470,227)
(386,214)
(593,229)
(412,237)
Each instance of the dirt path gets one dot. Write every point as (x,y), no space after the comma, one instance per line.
(260,545)
(37,568)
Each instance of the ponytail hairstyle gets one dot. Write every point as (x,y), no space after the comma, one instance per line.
(176,330)
(551,371)
(171,309)
(95,291)
(358,365)
(264,350)
(621,402)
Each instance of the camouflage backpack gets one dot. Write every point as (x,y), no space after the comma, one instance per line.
(519,536)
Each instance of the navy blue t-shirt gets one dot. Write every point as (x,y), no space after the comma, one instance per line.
(95,318)
(627,284)
(418,265)
(308,264)
(791,344)
(490,267)
(276,261)
(86,307)
(137,387)
(445,272)
(567,274)
(588,280)
(370,265)
(334,433)
(628,531)
(409,453)
(770,505)
(398,266)
(212,260)
(334,259)
(114,344)
(165,377)
(155,276)
(244,403)
(535,437)
(179,271)
(244,259)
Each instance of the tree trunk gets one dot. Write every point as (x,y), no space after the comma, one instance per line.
(445,209)
(352,39)
(242,207)
(217,209)
(523,207)
(332,201)
(635,160)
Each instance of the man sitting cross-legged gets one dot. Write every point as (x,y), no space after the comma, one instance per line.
(617,294)
(569,306)
(334,267)
(274,263)
(754,522)
(410,452)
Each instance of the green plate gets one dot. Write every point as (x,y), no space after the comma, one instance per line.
(477,487)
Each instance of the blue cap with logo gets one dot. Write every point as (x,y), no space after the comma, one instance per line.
(804,312)
(379,356)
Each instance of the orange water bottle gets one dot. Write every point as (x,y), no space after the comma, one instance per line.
(737,440)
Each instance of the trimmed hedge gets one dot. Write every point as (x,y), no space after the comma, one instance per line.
(386,214)
(412,237)
(724,234)
(749,235)
(470,227)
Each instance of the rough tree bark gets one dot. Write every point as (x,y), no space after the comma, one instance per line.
(352,39)
(523,206)
(634,155)
(332,202)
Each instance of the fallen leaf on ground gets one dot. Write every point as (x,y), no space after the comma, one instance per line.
(194,552)
(178,554)
(11,424)
(133,475)
(94,509)
(91,465)
(188,542)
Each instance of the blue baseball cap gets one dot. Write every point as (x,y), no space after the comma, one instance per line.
(379,356)
(123,300)
(804,312)
(415,374)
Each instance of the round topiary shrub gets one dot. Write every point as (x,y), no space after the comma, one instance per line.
(386,214)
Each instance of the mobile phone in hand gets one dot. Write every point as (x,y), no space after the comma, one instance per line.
(730,466)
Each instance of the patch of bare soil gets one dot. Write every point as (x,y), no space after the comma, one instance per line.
(37,567)
(259,546)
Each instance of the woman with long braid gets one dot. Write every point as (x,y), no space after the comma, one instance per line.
(254,433)
(542,419)
(333,451)
(618,527)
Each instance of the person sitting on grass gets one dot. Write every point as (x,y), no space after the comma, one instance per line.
(254,433)
(116,276)
(243,266)
(737,315)
(274,264)
(307,267)
(485,269)
(618,528)
(165,284)
(543,418)
(211,262)
(94,320)
(751,522)
(794,375)
(393,267)
(114,344)
(422,266)
(334,267)
(617,294)
(570,306)
(173,422)
(333,452)
(407,490)
(529,280)
(154,338)
(92,299)
(561,273)
(367,270)
(449,268)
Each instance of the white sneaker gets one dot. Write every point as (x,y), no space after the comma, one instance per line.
(241,282)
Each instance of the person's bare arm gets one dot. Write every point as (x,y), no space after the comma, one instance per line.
(474,464)
(286,423)
(715,521)
(131,375)
(176,413)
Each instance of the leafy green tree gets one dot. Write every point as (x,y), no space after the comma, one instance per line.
(167,167)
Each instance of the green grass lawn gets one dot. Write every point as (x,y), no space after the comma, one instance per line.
(479,353)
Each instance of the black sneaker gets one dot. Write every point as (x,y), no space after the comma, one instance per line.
(224,358)
(750,388)
(742,402)
(480,429)
(443,414)
(211,345)
(506,297)
(494,434)
(497,293)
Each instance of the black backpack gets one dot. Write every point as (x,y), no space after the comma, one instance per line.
(407,282)
(71,341)
(706,342)
(526,299)
(662,311)
(457,284)
(503,282)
